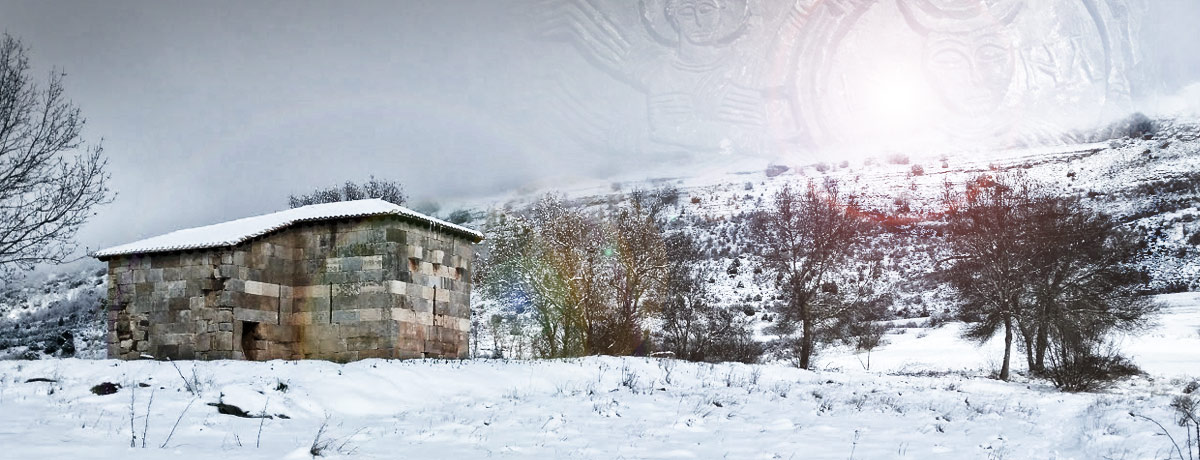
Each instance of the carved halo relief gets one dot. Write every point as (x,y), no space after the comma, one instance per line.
(764,76)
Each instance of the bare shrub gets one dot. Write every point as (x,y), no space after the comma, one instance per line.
(1086,367)
(321,443)
(1187,415)
(386,190)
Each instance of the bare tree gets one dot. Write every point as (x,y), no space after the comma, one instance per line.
(864,301)
(567,268)
(804,238)
(1083,273)
(1047,270)
(591,278)
(49,179)
(386,190)
(637,266)
(990,257)
(548,259)
(695,327)
(686,296)
(1082,287)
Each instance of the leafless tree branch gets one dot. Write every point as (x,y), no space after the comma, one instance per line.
(50,181)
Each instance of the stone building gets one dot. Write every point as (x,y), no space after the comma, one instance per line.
(338,281)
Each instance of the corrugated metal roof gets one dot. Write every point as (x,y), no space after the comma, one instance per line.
(235,232)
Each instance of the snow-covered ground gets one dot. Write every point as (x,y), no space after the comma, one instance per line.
(1171,348)
(924,397)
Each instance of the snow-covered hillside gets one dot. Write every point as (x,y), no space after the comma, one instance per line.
(1150,183)
(41,315)
(926,396)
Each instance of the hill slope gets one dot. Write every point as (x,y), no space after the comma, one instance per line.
(1150,183)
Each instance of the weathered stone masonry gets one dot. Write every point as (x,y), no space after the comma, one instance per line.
(382,286)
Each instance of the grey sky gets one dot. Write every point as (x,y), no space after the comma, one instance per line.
(216,110)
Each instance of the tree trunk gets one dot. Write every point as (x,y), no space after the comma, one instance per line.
(806,341)
(1043,341)
(1027,336)
(1008,336)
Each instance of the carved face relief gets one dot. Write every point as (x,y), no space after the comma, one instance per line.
(971,72)
(698,21)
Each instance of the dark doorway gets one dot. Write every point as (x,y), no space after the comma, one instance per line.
(249,337)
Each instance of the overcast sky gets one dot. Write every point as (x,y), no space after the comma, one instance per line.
(216,110)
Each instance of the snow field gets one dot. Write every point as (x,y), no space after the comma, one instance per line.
(925,397)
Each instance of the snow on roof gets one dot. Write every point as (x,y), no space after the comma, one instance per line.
(235,232)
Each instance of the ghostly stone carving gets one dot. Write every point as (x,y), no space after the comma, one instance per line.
(703,65)
(1003,73)
(968,56)
(778,76)
(992,67)
(695,97)
(807,43)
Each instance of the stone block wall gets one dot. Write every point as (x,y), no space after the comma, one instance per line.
(160,305)
(380,287)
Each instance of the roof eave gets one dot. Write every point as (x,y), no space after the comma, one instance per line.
(474,236)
